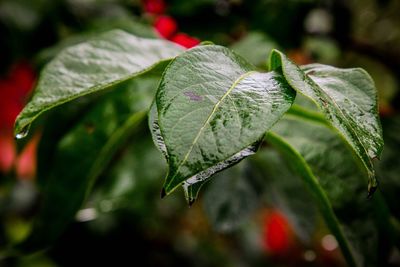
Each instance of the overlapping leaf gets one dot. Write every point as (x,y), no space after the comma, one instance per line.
(339,175)
(92,66)
(211,106)
(348,100)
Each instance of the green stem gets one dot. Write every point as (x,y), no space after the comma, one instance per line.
(383,216)
(384,220)
(303,169)
(299,111)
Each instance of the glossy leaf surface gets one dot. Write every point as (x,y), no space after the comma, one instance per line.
(192,186)
(95,65)
(348,100)
(211,106)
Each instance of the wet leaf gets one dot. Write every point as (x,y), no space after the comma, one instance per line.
(89,67)
(348,100)
(192,186)
(211,106)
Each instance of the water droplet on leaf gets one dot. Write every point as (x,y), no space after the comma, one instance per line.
(23,133)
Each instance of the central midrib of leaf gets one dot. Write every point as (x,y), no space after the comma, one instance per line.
(215,108)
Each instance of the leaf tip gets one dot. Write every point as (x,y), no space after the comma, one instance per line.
(163,193)
(21,132)
(191,201)
(371,190)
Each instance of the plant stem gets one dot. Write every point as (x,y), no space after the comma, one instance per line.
(303,169)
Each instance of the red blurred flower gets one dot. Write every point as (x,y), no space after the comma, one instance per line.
(166,26)
(13,91)
(25,164)
(185,40)
(156,7)
(7,152)
(277,234)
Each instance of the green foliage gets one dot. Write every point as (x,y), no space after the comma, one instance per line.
(92,66)
(212,105)
(211,110)
(348,100)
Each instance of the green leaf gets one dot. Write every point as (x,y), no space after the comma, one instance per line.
(98,64)
(231,198)
(192,185)
(348,100)
(211,106)
(340,177)
(82,155)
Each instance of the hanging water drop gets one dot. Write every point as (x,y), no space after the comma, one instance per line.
(23,133)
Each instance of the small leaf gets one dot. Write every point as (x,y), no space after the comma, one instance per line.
(348,100)
(211,106)
(89,67)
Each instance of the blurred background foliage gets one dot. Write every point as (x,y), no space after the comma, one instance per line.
(258,213)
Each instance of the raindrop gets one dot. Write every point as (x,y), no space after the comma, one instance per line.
(23,133)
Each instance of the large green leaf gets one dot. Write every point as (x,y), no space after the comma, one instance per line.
(211,106)
(84,152)
(98,64)
(339,175)
(348,100)
(192,186)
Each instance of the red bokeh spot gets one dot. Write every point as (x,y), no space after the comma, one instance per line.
(185,40)
(156,7)
(7,151)
(25,165)
(13,92)
(166,26)
(277,237)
